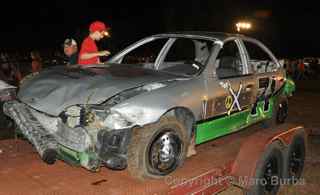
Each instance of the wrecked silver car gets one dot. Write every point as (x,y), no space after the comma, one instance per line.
(142,111)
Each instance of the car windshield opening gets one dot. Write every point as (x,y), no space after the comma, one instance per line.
(184,56)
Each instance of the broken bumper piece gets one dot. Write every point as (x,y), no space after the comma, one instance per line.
(44,142)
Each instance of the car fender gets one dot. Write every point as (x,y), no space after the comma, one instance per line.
(148,107)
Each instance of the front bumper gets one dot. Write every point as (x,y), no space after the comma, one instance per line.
(72,144)
(35,125)
(48,134)
(30,127)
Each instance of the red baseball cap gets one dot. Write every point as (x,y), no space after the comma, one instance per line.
(98,26)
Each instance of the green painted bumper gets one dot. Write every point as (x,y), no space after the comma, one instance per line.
(89,159)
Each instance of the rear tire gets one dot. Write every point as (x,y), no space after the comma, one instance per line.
(279,113)
(282,110)
(157,149)
(268,171)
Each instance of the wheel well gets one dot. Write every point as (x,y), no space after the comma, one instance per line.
(185,116)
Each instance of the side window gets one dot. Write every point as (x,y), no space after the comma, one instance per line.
(187,56)
(181,50)
(146,53)
(259,59)
(228,62)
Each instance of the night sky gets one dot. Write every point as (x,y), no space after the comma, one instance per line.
(288,29)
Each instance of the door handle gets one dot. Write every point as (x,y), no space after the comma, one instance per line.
(249,87)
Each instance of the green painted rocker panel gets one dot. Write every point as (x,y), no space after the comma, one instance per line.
(231,123)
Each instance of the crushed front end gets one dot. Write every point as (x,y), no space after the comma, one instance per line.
(80,135)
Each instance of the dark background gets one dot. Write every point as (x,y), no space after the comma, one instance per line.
(290,29)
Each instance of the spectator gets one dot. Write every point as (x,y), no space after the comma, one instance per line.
(36,63)
(288,66)
(301,70)
(70,49)
(294,66)
(89,53)
(17,75)
(5,74)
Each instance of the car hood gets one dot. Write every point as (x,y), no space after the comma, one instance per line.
(52,90)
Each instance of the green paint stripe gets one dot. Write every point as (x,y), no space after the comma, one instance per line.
(222,126)
(219,127)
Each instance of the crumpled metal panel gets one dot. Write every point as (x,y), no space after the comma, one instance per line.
(30,127)
(49,123)
(44,131)
(73,138)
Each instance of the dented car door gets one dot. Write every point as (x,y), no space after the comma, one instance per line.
(231,92)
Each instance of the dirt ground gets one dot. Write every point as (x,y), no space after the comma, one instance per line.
(303,110)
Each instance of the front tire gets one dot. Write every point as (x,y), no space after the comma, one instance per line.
(157,149)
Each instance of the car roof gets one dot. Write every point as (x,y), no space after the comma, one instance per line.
(221,36)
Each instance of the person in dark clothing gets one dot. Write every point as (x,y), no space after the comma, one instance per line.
(70,49)
(36,63)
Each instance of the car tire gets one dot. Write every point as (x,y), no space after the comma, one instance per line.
(269,171)
(156,150)
(279,112)
(295,158)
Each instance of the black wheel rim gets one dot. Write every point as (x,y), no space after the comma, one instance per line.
(296,162)
(271,176)
(165,152)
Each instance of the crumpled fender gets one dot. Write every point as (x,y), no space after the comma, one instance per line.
(289,87)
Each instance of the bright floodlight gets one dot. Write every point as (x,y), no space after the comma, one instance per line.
(243,25)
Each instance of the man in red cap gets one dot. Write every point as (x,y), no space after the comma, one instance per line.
(89,53)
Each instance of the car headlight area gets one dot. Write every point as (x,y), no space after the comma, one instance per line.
(95,117)
(108,129)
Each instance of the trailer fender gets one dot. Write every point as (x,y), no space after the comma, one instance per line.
(244,166)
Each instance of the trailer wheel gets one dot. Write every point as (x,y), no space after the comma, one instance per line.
(268,172)
(295,158)
(158,149)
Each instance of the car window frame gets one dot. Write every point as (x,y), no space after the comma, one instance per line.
(208,66)
(119,57)
(263,48)
(171,42)
(243,58)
